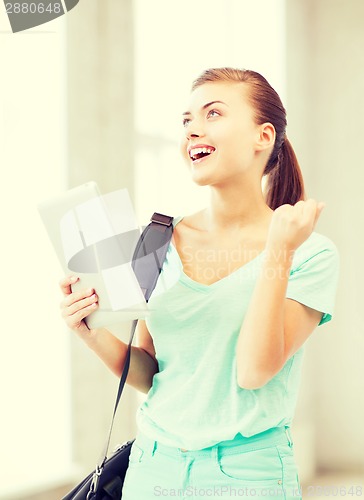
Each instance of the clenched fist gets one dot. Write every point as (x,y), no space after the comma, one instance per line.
(291,225)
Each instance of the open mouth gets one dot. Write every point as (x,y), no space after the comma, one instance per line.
(199,153)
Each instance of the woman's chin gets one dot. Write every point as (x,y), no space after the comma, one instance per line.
(201,180)
(199,177)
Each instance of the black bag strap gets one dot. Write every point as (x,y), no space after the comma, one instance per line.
(151,250)
(149,255)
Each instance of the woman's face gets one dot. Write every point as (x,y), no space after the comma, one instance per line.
(220,134)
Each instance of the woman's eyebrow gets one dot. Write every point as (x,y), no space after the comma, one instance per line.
(206,106)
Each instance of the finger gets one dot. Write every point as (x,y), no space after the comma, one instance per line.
(313,210)
(310,203)
(87,302)
(74,297)
(65,284)
(78,316)
(309,209)
(285,206)
(302,206)
(300,202)
(321,205)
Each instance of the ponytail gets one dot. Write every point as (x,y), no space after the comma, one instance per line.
(285,182)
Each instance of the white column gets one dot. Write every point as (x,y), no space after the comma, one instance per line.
(325,82)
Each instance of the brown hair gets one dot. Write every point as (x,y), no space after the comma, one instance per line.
(285,182)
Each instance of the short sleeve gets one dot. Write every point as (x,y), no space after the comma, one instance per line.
(314,275)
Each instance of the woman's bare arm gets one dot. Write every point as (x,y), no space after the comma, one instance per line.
(111,350)
(275,327)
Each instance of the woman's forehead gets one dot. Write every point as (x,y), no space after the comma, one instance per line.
(229,93)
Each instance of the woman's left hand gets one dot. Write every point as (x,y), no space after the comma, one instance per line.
(291,225)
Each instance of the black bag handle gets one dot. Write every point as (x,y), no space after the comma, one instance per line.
(148,258)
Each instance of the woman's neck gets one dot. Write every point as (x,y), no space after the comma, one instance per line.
(235,207)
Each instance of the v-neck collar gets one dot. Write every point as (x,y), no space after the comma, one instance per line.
(184,278)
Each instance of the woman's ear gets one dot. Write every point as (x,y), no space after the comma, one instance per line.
(266,136)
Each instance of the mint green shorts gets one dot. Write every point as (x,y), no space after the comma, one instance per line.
(260,467)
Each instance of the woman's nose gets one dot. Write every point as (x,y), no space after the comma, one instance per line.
(193,130)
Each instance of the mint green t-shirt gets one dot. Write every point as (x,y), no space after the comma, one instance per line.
(195,400)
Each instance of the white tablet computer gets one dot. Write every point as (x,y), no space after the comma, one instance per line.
(94,236)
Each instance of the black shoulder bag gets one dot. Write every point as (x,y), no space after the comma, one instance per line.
(106,482)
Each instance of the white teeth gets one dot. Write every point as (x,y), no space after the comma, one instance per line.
(196,151)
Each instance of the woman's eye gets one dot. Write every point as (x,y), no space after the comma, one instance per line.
(213,112)
(185,121)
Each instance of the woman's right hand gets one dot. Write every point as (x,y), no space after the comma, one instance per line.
(77,305)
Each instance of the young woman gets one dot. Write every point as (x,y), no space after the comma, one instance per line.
(245,283)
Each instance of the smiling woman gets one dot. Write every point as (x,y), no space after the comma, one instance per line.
(251,280)
(245,282)
(288,186)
